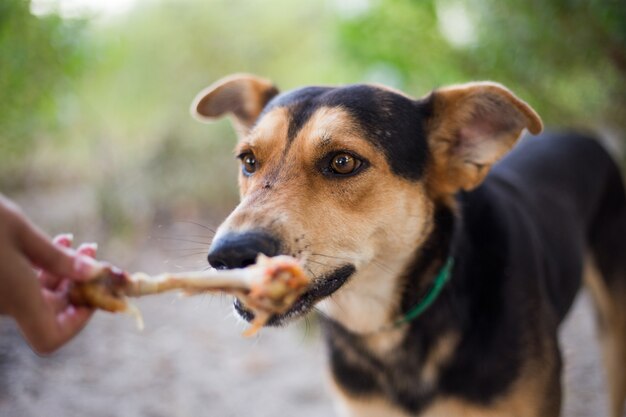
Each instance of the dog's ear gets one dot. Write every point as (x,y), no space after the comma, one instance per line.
(241,95)
(470,127)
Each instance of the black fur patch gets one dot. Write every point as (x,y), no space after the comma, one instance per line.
(390,121)
(353,377)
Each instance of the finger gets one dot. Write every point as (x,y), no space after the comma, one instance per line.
(64,240)
(88,249)
(47,279)
(87,268)
(53,259)
(55,328)
(34,309)
(20,292)
(71,321)
(87,252)
(56,300)
(25,301)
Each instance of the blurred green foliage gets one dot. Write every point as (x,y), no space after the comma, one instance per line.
(39,57)
(566,57)
(103,101)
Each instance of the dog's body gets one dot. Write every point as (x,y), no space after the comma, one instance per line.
(519,244)
(368,185)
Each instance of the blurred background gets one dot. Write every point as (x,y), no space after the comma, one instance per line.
(96,138)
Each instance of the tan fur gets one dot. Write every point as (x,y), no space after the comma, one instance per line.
(611,307)
(531,396)
(367,407)
(242,95)
(521,404)
(381,342)
(266,141)
(473,126)
(438,356)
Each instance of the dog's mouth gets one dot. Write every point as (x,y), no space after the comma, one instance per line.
(321,288)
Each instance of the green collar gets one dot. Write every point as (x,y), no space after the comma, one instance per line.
(432,294)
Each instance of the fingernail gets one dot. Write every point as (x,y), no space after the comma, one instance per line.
(64,239)
(86,266)
(88,249)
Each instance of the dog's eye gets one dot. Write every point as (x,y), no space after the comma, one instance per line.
(344,164)
(248,163)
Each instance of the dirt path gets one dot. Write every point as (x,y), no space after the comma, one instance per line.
(191,361)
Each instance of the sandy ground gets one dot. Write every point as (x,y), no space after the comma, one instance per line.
(191,361)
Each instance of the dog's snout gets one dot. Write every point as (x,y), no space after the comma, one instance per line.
(238,250)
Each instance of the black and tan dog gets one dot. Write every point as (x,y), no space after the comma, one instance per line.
(441,276)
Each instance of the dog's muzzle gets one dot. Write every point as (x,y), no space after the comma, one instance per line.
(321,288)
(238,250)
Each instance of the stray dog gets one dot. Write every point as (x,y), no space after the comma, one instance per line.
(441,277)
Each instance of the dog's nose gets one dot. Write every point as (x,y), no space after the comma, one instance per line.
(238,250)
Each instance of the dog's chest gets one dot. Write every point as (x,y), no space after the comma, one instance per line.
(401,378)
(411,383)
(347,406)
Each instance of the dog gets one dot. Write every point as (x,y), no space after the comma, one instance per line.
(441,268)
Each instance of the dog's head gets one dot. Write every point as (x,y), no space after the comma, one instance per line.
(347,178)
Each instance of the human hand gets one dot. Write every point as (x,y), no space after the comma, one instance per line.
(34,275)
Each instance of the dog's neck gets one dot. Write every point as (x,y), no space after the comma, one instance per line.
(379,295)
(429,259)
(407,358)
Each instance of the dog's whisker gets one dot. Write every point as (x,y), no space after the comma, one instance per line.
(321,313)
(185,236)
(189,255)
(196,224)
(332,257)
(320,263)
(182,240)
(312,273)
(380,265)
(307,328)
(341,258)
(335,302)
(185,249)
